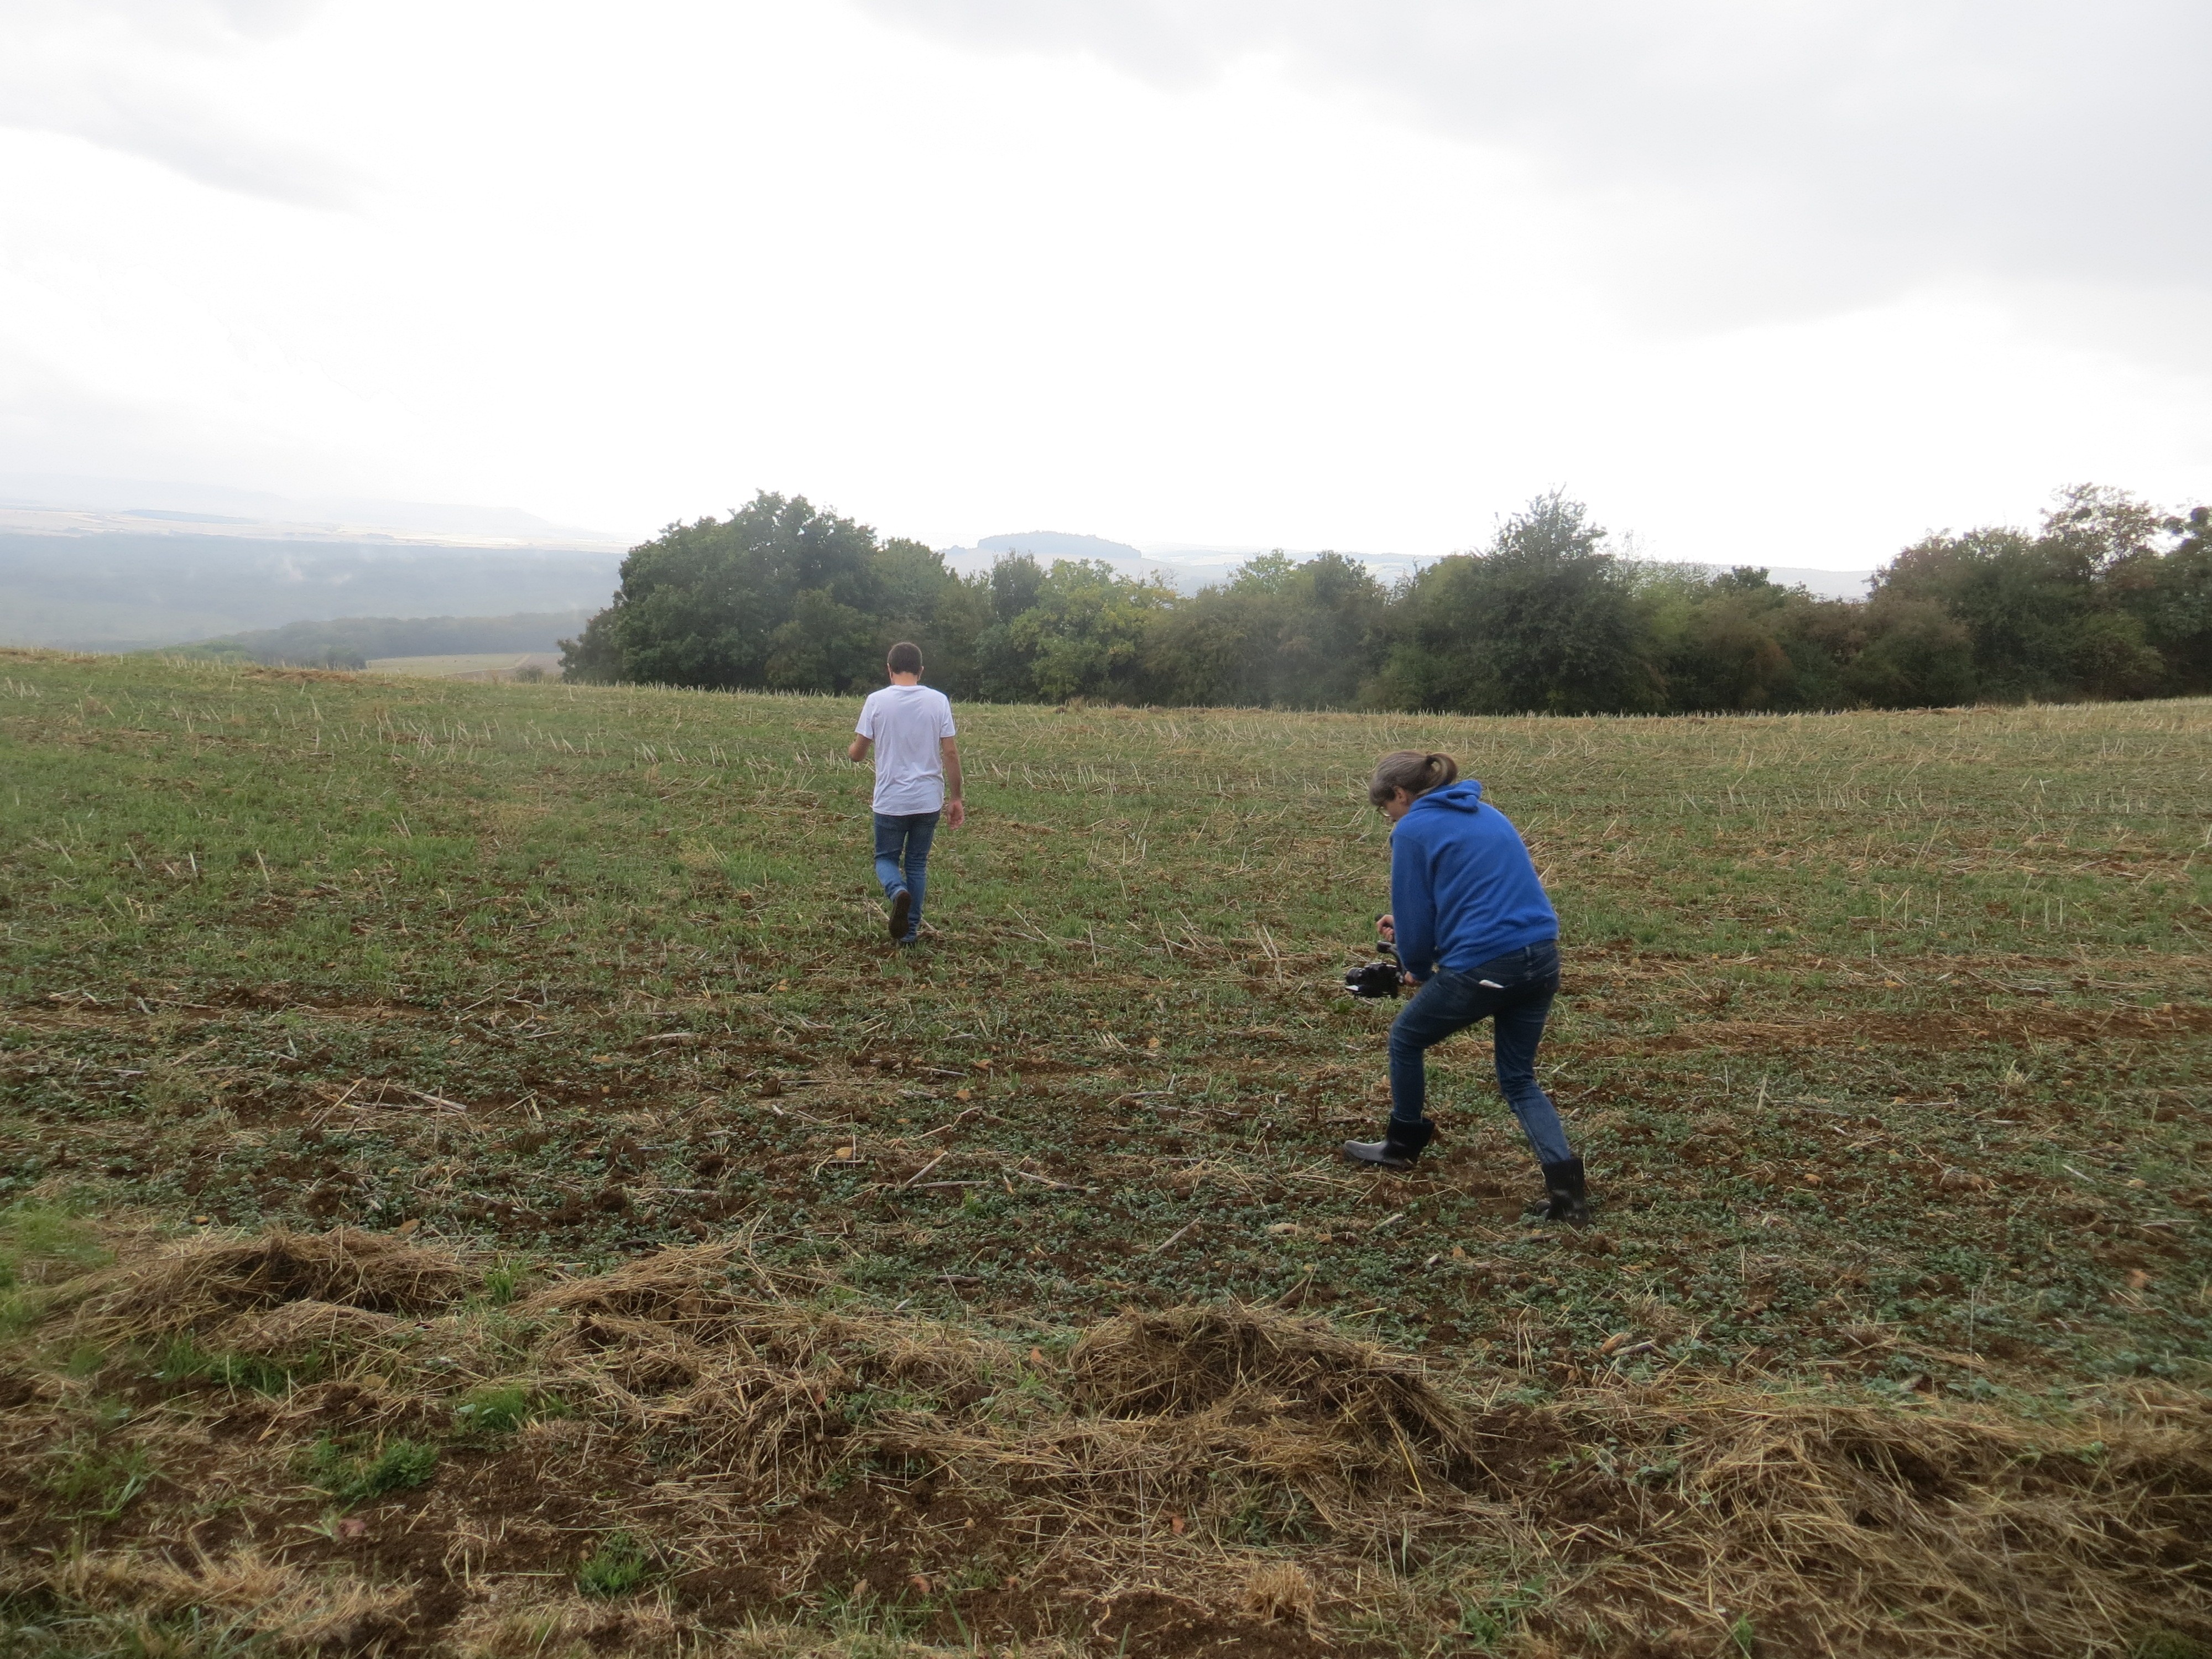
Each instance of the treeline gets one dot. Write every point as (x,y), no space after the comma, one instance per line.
(2108,599)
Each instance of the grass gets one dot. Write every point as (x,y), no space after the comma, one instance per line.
(184,1360)
(1487,1623)
(95,1481)
(357,1476)
(504,1410)
(619,1566)
(1885,1037)
(45,1634)
(41,1242)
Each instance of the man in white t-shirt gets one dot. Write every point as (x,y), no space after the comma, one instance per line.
(917,776)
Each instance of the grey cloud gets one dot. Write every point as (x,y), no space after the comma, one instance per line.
(1787,155)
(101,70)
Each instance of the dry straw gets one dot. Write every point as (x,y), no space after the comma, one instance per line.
(1240,1462)
(195,1283)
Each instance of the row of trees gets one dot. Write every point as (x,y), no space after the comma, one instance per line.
(2108,599)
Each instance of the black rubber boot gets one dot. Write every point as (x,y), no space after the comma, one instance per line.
(1399,1149)
(1564,1199)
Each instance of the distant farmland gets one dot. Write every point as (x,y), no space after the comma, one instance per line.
(478,1183)
(477,666)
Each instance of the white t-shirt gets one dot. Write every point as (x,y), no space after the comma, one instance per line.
(906,723)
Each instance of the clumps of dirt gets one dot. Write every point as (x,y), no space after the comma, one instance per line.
(1174,1441)
(1189,1359)
(194,1283)
(1237,1470)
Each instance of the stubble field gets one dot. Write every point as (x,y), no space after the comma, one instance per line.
(478,1182)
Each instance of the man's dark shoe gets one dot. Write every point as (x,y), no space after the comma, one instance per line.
(1399,1149)
(1564,1199)
(902,908)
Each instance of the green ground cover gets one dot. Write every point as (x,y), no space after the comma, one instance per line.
(1884,1035)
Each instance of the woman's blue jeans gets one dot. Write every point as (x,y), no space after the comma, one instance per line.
(1513,992)
(903,857)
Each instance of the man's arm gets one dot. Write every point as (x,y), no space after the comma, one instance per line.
(858,751)
(955,810)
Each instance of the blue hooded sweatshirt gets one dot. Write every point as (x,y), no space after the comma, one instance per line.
(1462,887)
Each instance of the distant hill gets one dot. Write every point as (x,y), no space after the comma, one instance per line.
(75,505)
(353,642)
(1049,544)
(1187,569)
(119,590)
(1046,546)
(1822,584)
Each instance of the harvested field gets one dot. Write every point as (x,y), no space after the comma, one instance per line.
(476,1186)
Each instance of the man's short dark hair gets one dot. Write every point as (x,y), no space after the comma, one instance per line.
(905,657)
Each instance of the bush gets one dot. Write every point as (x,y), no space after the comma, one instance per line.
(2106,599)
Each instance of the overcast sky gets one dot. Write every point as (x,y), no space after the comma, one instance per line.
(1792,283)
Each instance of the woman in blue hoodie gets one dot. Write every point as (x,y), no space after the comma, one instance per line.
(1475,933)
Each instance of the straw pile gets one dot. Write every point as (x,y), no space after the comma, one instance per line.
(1187,1360)
(197,1284)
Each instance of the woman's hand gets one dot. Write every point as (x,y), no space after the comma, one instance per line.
(1386,929)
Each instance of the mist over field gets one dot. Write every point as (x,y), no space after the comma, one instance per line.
(121,592)
(82,570)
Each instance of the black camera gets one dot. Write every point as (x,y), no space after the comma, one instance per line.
(1375,979)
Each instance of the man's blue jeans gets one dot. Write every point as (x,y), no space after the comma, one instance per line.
(903,857)
(1517,1000)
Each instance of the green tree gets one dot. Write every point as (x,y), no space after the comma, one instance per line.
(1284,633)
(1741,640)
(1016,581)
(594,657)
(1544,621)
(2040,611)
(1916,656)
(779,595)
(2169,592)
(1080,634)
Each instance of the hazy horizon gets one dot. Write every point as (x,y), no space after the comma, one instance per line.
(80,505)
